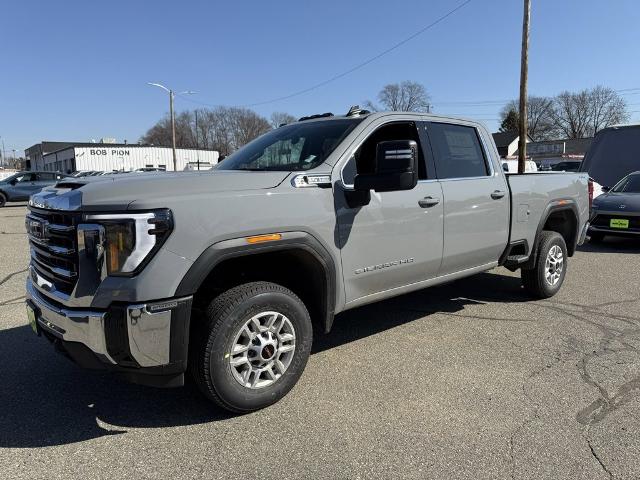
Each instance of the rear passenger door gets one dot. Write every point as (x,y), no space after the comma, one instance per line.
(476,199)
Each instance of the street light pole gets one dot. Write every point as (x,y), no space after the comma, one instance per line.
(173,116)
(173,129)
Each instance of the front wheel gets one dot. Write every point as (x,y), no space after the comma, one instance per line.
(546,277)
(253,346)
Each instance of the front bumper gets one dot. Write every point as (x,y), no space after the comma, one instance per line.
(147,342)
(600,223)
(614,231)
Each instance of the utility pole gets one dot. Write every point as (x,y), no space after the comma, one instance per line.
(4,154)
(524,67)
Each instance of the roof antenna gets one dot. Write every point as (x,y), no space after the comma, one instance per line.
(355,110)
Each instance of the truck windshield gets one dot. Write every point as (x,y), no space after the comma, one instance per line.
(630,184)
(299,146)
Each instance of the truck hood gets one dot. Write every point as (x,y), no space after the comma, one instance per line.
(611,202)
(110,192)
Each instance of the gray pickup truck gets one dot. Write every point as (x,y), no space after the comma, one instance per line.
(228,272)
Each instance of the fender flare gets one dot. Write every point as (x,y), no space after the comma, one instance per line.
(553,207)
(238,247)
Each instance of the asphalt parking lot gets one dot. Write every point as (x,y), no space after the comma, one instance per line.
(468,380)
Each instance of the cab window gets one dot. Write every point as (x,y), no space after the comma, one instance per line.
(363,160)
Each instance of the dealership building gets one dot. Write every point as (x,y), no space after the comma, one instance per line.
(107,157)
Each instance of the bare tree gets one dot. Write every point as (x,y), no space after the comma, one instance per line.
(278,118)
(539,117)
(406,96)
(223,128)
(607,108)
(571,114)
(583,114)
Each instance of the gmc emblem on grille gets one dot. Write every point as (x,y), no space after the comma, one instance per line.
(37,228)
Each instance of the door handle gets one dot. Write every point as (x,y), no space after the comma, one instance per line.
(497,195)
(427,202)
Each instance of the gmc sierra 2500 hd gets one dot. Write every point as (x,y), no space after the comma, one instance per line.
(227,272)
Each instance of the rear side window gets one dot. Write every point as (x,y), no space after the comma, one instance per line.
(457,151)
(46,177)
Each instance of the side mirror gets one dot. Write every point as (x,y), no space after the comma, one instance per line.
(505,167)
(605,189)
(395,168)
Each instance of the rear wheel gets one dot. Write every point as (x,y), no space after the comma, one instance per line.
(3,200)
(546,277)
(253,346)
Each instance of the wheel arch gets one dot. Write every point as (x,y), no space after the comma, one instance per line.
(296,256)
(559,216)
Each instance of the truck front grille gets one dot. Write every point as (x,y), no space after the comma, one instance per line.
(54,246)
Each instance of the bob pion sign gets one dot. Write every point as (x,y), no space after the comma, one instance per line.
(117,152)
(125,158)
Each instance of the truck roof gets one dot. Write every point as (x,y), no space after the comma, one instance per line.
(327,117)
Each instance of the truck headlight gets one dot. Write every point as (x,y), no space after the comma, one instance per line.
(131,239)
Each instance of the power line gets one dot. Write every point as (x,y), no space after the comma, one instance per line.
(489,103)
(352,69)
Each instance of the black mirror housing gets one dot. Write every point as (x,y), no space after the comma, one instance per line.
(605,189)
(395,168)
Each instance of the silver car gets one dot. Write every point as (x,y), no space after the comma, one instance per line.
(617,211)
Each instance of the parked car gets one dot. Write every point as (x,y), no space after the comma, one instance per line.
(20,186)
(511,166)
(198,166)
(81,174)
(617,211)
(227,272)
(614,153)
(567,166)
(151,169)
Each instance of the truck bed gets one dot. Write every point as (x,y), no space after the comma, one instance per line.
(533,194)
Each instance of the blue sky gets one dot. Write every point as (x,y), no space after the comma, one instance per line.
(77,70)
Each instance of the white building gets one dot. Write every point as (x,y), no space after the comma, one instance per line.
(107,157)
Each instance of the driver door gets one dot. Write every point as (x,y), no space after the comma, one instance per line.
(397,238)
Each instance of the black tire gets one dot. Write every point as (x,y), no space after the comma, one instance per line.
(534,280)
(213,338)
(596,237)
(3,200)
